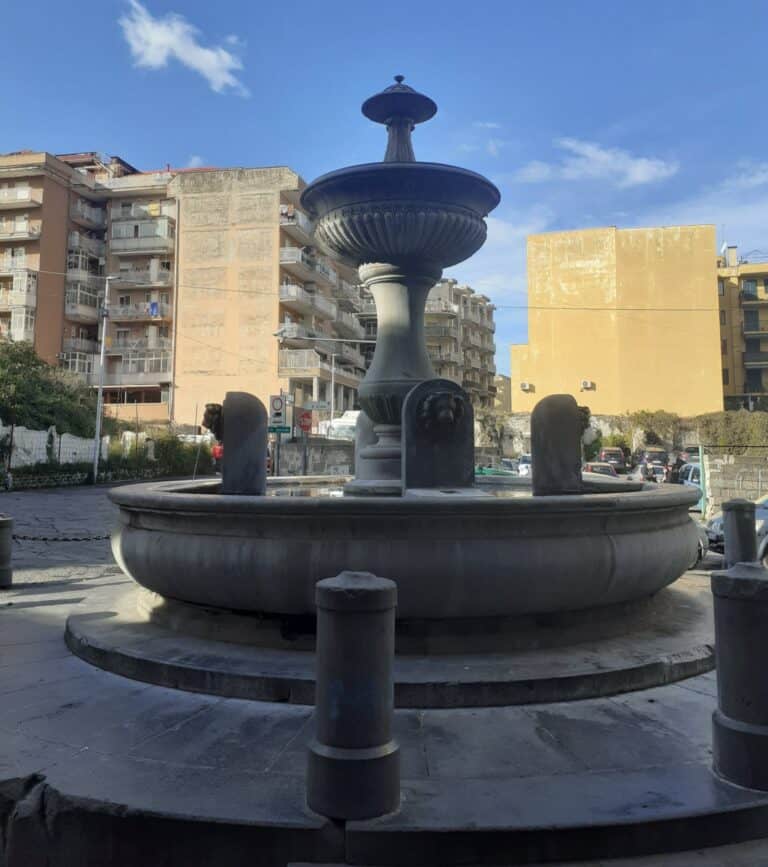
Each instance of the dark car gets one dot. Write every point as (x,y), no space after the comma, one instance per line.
(614,456)
(653,455)
(602,468)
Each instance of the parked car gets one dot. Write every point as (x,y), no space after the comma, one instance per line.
(601,467)
(658,473)
(654,455)
(510,464)
(703,545)
(691,454)
(615,456)
(716,536)
(524,465)
(690,474)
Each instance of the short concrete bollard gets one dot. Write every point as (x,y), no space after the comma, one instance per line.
(740,723)
(739,530)
(6,539)
(354,763)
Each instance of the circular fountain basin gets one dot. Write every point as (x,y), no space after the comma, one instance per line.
(452,556)
(402,212)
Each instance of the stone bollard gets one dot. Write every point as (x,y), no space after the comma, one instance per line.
(354,763)
(739,530)
(556,429)
(6,538)
(244,464)
(740,723)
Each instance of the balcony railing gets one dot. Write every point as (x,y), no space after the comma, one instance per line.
(81,344)
(161,243)
(85,214)
(147,310)
(325,271)
(85,278)
(142,377)
(346,291)
(141,210)
(441,331)
(12,231)
(12,264)
(349,324)
(296,256)
(757,330)
(447,357)
(293,295)
(92,246)
(756,358)
(23,281)
(138,344)
(438,305)
(298,221)
(144,277)
(17,197)
(10,298)
(752,298)
(307,362)
(368,307)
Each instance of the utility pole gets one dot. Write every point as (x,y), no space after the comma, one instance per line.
(333,390)
(104,314)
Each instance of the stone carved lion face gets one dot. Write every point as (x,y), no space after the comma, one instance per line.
(213,419)
(439,413)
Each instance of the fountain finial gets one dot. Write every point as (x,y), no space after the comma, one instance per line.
(400,107)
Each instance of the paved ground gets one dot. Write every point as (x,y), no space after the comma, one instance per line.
(60,512)
(70,732)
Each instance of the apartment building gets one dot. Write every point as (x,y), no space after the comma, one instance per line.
(459,328)
(626,319)
(742,290)
(214,284)
(503,399)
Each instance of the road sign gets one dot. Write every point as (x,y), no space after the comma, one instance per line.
(304,419)
(279,428)
(317,404)
(276,410)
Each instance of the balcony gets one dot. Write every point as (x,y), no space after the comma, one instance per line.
(752,299)
(755,359)
(307,364)
(13,231)
(296,224)
(17,197)
(87,216)
(12,298)
(367,307)
(92,246)
(141,246)
(760,330)
(79,363)
(146,311)
(95,282)
(137,378)
(126,346)
(325,273)
(12,264)
(447,357)
(350,354)
(441,332)
(347,325)
(81,303)
(294,297)
(348,294)
(437,307)
(142,210)
(297,263)
(81,344)
(138,277)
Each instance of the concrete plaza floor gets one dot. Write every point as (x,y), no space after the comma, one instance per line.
(92,762)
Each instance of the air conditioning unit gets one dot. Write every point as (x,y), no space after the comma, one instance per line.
(587,385)
(526,386)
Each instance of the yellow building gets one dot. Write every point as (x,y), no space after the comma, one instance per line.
(742,288)
(625,319)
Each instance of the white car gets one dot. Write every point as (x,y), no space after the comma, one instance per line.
(524,465)
(717,538)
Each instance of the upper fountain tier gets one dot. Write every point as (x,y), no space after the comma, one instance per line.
(400,211)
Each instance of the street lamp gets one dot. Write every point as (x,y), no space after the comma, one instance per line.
(104,314)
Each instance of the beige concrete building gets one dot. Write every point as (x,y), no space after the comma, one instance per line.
(459,329)
(742,288)
(625,319)
(204,267)
(503,399)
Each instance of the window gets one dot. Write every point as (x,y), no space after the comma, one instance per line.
(124,300)
(749,287)
(721,287)
(722,317)
(751,320)
(726,380)
(723,347)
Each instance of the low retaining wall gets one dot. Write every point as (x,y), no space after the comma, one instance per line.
(325,457)
(729,476)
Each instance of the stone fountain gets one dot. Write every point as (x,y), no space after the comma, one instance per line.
(400,222)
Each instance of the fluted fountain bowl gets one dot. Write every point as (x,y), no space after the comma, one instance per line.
(401,212)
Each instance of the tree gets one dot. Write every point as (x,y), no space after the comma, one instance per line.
(37,395)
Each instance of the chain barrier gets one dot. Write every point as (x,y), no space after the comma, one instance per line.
(19,538)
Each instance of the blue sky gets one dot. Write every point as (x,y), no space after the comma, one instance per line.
(584,113)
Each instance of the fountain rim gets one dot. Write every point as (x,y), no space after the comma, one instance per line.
(192,498)
(392,167)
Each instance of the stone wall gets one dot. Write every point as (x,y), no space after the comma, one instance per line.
(728,476)
(325,457)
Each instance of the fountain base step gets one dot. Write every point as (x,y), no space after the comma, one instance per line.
(668,639)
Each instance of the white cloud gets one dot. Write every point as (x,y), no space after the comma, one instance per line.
(156,41)
(486,124)
(195,162)
(585,160)
(465,147)
(494,146)
(748,176)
